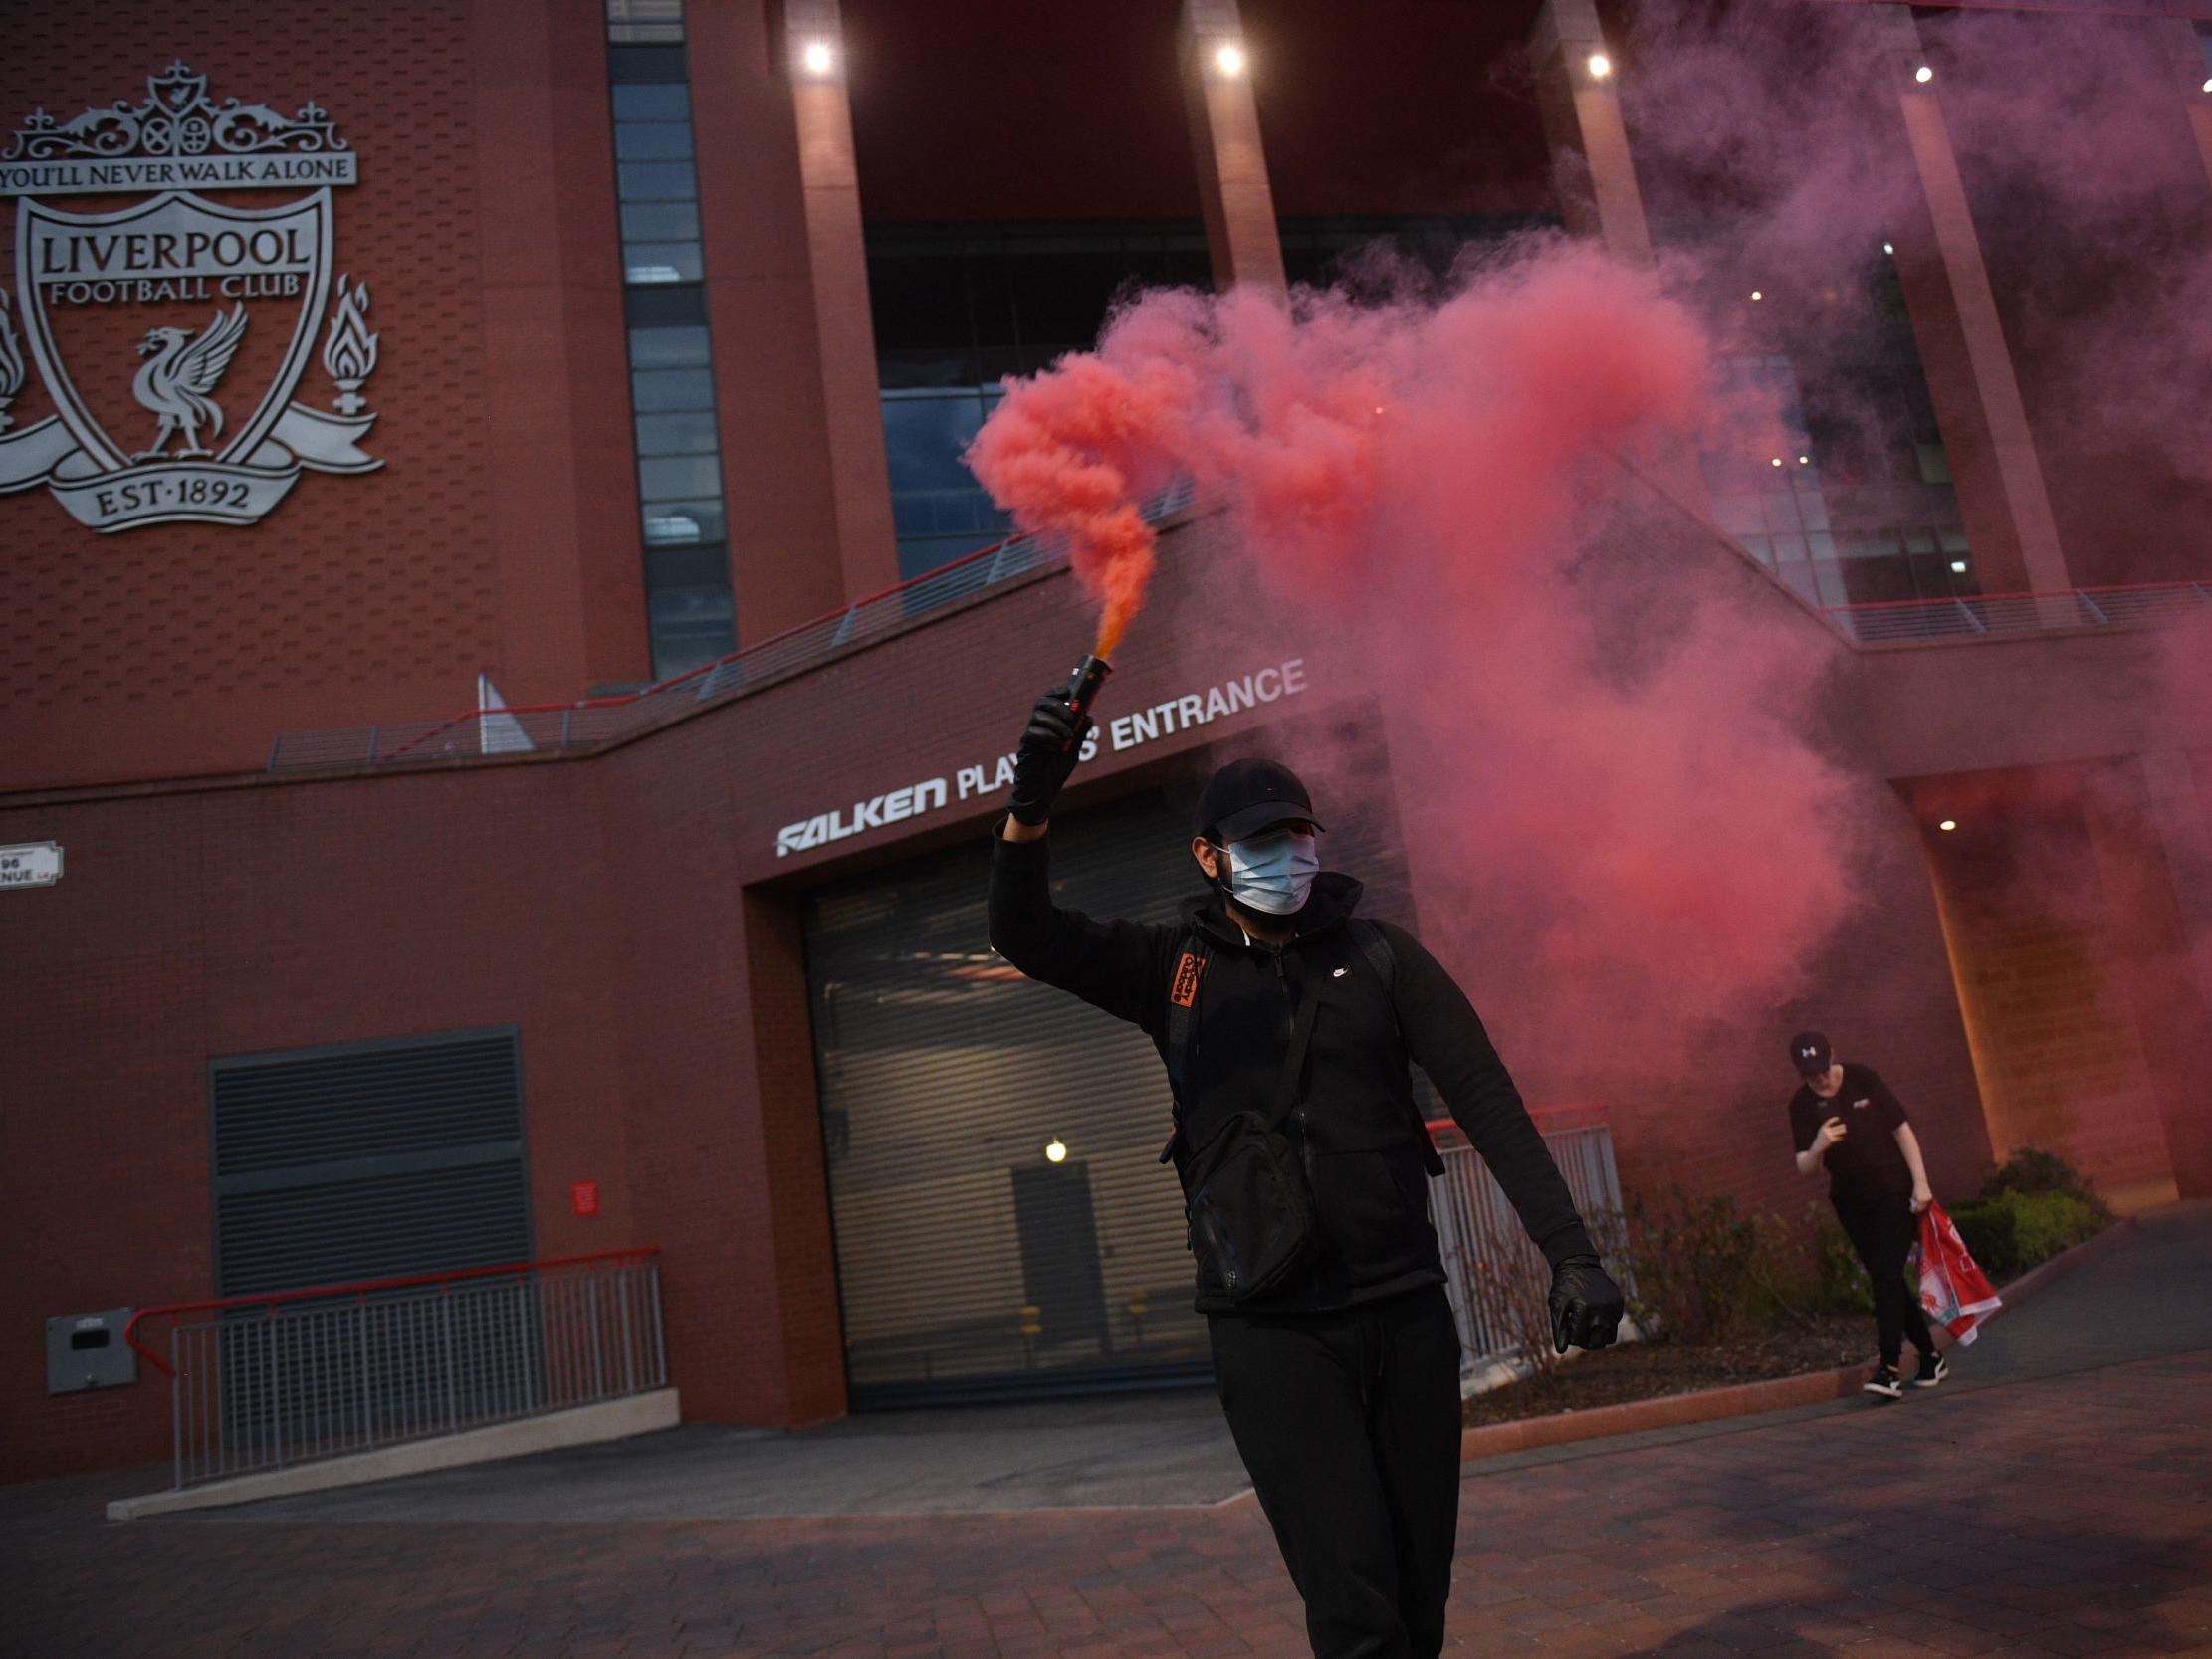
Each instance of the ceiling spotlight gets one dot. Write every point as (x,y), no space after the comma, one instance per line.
(1229,60)
(1758,294)
(1805,461)
(1056,1150)
(2208,86)
(818,57)
(1948,825)
(1600,66)
(1890,248)
(1923,75)
(1958,567)
(1778,460)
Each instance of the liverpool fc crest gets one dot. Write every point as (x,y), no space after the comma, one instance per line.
(172,331)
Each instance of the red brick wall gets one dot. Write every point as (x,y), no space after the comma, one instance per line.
(2040,952)
(630,916)
(499,535)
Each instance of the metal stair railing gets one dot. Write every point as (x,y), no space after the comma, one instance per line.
(1488,1258)
(260,1383)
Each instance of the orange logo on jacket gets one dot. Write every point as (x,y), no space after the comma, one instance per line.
(1185,992)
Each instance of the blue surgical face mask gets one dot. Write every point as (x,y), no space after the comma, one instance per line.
(1273,873)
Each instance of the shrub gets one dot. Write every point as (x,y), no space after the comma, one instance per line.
(2011,1231)
(2032,1170)
(1704,1268)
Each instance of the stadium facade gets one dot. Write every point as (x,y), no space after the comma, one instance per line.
(399,398)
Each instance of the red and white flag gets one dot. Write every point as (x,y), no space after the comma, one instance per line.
(1954,1293)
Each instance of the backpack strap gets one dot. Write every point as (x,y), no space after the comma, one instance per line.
(1182,1021)
(1375,946)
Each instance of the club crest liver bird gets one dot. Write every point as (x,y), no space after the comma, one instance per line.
(186,367)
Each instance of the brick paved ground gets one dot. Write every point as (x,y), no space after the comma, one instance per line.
(2070,1516)
(2055,1499)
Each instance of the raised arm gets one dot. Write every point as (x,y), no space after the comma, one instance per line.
(1112,966)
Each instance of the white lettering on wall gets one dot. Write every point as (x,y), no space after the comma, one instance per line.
(1125,731)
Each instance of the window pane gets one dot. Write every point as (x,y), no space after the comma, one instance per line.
(678,524)
(668,348)
(676,434)
(661,262)
(681,475)
(652,103)
(660,222)
(672,388)
(656,181)
(645,20)
(652,140)
(692,626)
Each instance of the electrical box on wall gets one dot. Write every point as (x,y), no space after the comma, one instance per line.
(87,1350)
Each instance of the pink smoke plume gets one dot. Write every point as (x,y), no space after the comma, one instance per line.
(1648,839)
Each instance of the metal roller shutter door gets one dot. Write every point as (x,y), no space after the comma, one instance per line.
(969,1263)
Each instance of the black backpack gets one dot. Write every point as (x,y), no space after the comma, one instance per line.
(1247,1203)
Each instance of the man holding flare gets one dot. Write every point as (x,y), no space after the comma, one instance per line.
(1286,1022)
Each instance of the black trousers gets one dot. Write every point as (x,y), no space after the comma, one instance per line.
(1348,1423)
(1883,1233)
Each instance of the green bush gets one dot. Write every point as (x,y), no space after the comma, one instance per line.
(2032,1170)
(2011,1231)
(1702,1268)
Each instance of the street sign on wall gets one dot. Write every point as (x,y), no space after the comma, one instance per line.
(31,864)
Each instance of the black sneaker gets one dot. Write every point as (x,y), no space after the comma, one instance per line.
(1883,1383)
(1932,1370)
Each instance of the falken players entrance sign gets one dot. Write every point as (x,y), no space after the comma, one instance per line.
(136,315)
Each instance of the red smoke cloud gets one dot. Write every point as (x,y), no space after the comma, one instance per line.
(1629,827)
(1637,841)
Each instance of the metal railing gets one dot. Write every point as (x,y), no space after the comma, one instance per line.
(269,1381)
(1491,1269)
(590,723)
(1980,615)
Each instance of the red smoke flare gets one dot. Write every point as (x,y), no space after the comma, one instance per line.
(1641,834)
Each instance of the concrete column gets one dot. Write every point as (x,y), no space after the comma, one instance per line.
(1591,165)
(1577,78)
(2174,864)
(2177,42)
(1240,205)
(1977,397)
(860,479)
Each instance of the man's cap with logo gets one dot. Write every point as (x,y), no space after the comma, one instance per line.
(1246,796)
(1810,1054)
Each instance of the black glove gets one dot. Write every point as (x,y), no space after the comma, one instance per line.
(1585,1305)
(1049,752)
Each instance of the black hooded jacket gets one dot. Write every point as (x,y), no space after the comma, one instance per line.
(1355,1121)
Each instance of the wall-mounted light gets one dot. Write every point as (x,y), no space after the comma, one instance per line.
(1600,66)
(1229,60)
(1958,567)
(817,56)
(1923,75)
(1055,1151)
(1947,825)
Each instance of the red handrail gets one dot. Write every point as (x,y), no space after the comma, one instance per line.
(1992,598)
(1538,1113)
(361,1287)
(675,680)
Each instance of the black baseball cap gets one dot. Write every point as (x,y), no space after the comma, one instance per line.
(1810,1053)
(1246,796)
